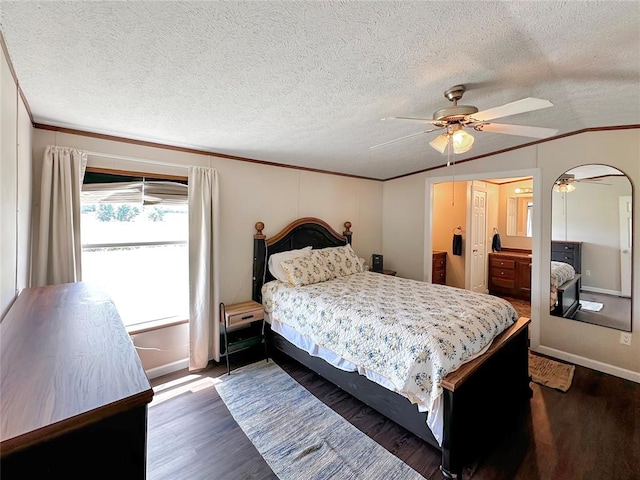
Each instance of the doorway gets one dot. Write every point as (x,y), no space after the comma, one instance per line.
(480,207)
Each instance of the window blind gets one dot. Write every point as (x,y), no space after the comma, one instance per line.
(106,188)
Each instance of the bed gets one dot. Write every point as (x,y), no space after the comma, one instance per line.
(471,402)
(564,299)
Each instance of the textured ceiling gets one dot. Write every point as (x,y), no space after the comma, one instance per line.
(306,82)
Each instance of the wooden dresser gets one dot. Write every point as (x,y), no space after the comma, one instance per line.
(510,273)
(74,394)
(567,252)
(439,268)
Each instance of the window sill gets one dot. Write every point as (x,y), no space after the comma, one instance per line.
(155,325)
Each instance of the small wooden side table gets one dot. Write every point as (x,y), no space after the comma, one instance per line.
(250,314)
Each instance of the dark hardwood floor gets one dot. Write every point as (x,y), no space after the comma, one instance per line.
(615,313)
(590,432)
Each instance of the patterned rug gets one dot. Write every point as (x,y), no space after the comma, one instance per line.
(298,435)
(550,373)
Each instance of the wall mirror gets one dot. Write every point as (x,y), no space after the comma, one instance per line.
(592,246)
(520,214)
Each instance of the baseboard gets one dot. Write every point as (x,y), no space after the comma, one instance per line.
(168,368)
(615,293)
(589,363)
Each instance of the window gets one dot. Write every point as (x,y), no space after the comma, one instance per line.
(134,243)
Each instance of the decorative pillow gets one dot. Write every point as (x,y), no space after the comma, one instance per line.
(340,261)
(306,270)
(277,258)
(363,264)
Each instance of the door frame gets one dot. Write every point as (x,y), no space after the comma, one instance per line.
(536,250)
(626,274)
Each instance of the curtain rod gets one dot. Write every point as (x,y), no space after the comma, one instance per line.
(134,159)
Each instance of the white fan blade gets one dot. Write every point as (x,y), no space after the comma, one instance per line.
(426,120)
(400,139)
(595,181)
(520,130)
(520,106)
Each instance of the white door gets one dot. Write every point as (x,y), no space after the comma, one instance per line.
(626,245)
(478,229)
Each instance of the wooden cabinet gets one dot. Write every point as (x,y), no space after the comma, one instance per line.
(439,268)
(510,274)
(74,393)
(567,252)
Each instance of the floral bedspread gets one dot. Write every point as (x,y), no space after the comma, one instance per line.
(560,273)
(411,333)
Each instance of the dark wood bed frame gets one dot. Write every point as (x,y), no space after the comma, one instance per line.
(481,398)
(568,298)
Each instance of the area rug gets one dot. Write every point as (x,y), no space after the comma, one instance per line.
(298,435)
(591,306)
(550,373)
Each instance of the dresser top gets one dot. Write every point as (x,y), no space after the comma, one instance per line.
(512,253)
(66,362)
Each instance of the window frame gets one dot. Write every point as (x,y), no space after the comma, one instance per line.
(148,325)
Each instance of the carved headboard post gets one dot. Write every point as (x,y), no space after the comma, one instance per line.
(259,259)
(347,232)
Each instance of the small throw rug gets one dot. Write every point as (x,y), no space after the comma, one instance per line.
(591,306)
(550,373)
(298,435)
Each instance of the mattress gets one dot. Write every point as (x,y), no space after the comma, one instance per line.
(403,334)
(561,272)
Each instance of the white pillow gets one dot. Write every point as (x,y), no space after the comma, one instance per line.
(274,262)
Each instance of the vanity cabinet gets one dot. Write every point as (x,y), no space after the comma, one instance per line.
(510,273)
(439,268)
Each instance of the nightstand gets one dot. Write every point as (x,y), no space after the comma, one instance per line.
(385,272)
(251,316)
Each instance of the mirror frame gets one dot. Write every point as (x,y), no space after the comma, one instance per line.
(571,301)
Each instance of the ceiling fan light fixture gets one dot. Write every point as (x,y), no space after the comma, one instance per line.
(462,141)
(564,187)
(440,142)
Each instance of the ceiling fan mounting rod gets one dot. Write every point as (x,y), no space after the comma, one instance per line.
(457,113)
(455,93)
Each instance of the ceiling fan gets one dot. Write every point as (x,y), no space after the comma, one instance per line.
(564,184)
(457,117)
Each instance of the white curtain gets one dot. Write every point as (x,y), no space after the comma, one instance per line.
(58,252)
(204,240)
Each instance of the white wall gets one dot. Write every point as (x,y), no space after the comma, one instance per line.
(249,192)
(449,212)
(406,204)
(15,190)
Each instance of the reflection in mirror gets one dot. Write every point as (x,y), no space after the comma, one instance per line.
(520,216)
(591,247)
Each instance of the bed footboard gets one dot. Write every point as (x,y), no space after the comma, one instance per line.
(484,397)
(568,298)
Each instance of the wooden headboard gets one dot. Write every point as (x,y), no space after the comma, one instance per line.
(302,233)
